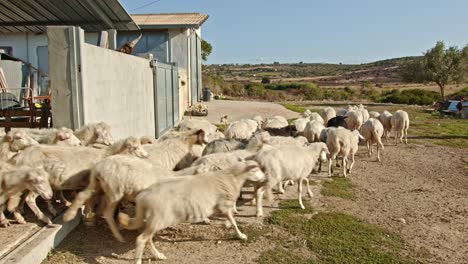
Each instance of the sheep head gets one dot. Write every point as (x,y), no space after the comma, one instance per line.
(37,180)
(198,138)
(19,140)
(65,136)
(103,134)
(132,145)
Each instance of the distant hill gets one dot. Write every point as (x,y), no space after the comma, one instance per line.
(324,74)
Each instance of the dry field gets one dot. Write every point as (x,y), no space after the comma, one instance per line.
(410,208)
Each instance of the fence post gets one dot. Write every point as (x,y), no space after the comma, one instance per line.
(153,65)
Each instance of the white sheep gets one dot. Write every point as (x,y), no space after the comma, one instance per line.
(386,119)
(312,131)
(372,131)
(400,124)
(343,142)
(197,124)
(306,113)
(354,119)
(69,167)
(275,122)
(116,177)
(178,152)
(301,123)
(365,114)
(13,142)
(241,130)
(317,117)
(282,141)
(259,120)
(284,163)
(374,114)
(188,199)
(147,140)
(327,114)
(15,180)
(99,133)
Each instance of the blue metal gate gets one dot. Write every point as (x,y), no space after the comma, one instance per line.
(166,96)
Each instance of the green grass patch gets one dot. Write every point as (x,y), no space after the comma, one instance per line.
(295,108)
(339,187)
(281,255)
(333,238)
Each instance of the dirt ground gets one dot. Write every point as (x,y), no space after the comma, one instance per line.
(244,109)
(418,190)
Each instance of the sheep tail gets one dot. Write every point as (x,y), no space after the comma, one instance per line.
(133,223)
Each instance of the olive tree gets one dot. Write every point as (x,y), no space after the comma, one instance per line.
(440,65)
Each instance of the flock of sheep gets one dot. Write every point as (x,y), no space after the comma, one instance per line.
(185,176)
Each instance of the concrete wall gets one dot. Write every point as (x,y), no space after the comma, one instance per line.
(92,84)
(118,89)
(184,92)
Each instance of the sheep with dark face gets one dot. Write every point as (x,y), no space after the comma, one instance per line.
(338,121)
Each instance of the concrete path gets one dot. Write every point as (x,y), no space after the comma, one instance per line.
(244,109)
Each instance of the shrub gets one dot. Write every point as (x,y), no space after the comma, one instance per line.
(266,80)
(255,89)
(412,96)
(312,91)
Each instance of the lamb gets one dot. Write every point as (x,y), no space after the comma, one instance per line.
(99,133)
(177,153)
(288,163)
(69,167)
(159,207)
(13,181)
(374,114)
(338,121)
(386,119)
(327,114)
(116,177)
(275,122)
(341,141)
(13,142)
(223,145)
(316,116)
(306,113)
(400,124)
(312,131)
(372,130)
(241,130)
(354,119)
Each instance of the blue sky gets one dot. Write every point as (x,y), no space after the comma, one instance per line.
(347,31)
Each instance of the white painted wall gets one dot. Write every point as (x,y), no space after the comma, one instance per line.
(118,89)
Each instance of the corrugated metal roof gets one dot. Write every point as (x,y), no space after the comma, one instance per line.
(36,15)
(175,20)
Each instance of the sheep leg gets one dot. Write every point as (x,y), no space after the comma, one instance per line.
(369,150)
(406,135)
(309,191)
(345,160)
(4,222)
(280,187)
(140,246)
(31,201)
(109,216)
(13,203)
(79,200)
(352,163)
(299,190)
(155,252)
(64,200)
(259,197)
(234,224)
(51,208)
(330,161)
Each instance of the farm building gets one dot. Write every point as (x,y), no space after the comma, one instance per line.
(69,48)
